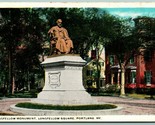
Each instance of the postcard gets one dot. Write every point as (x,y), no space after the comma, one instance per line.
(77,61)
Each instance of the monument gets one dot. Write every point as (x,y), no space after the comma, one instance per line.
(63,81)
(63,73)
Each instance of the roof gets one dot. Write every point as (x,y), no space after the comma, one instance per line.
(94,60)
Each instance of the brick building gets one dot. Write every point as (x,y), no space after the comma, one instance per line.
(140,71)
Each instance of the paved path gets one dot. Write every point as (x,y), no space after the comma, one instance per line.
(130,106)
(6,102)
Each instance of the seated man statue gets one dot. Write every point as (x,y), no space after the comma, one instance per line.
(60,39)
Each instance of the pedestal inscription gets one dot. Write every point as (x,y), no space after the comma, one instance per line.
(54,79)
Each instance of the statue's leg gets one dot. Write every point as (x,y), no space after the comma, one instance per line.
(58,47)
(52,49)
(63,46)
(69,45)
(50,53)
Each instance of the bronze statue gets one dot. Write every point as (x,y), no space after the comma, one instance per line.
(59,39)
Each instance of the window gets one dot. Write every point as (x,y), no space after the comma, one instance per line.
(131,60)
(96,73)
(94,63)
(111,60)
(148,55)
(89,72)
(102,63)
(133,77)
(93,54)
(101,82)
(89,82)
(148,76)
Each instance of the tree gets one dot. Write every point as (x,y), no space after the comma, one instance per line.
(8,41)
(123,44)
(145,31)
(21,37)
(103,30)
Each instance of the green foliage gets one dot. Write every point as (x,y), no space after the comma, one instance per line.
(23,33)
(65,107)
(123,38)
(140,96)
(21,39)
(23,95)
(150,91)
(123,45)
(110,89)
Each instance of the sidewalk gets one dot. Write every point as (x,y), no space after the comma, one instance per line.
(130,106)
(6,102)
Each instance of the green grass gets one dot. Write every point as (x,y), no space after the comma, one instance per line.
(138,96)
(105,94)
(65,107)
(23,95)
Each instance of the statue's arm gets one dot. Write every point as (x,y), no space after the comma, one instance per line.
(54,34)
(66,34)
(52,30)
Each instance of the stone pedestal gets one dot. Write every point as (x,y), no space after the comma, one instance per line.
(63,82)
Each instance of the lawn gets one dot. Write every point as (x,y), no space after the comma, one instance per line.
(139,96)
(65,107)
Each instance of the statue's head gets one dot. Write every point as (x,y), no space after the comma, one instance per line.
(59,22)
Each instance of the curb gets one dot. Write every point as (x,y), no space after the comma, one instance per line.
(39,112)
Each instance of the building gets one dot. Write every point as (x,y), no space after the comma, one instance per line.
(140,71)
(90,71)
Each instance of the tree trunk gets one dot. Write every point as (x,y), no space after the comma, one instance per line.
(28,81)
(122,91)
(10,72)
(98,76)
(13,86)
(98,70)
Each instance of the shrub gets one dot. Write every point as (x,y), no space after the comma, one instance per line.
(65,107)
(23,95)
(110,89)
(130,90)
(150,91)
(140,91)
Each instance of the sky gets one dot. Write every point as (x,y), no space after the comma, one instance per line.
(132,12)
